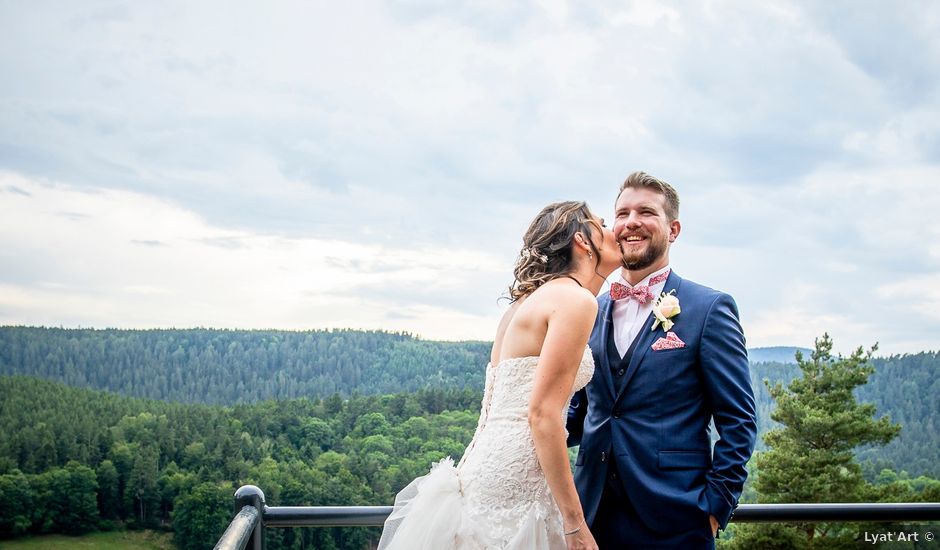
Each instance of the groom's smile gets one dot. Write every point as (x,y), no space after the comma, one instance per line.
(633,239)
(632,243)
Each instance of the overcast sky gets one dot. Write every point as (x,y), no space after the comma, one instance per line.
(303,165)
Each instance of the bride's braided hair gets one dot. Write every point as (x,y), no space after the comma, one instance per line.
(547,251)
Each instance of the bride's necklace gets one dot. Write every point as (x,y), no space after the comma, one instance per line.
(575,280)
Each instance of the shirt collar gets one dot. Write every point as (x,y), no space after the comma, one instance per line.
(646,279)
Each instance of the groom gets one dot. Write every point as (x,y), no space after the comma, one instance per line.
(645,472)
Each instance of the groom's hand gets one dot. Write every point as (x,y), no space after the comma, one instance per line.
(715,525)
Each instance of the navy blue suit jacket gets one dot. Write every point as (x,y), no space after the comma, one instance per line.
(657,428)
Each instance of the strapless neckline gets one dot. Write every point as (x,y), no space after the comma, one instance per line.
(490,365)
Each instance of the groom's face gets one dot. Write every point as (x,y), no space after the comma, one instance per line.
(642,228)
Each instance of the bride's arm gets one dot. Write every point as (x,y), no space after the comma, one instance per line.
(569,321)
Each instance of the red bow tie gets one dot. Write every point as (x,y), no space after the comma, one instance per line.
(641,293)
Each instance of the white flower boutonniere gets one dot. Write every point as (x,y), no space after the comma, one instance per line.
(665,308)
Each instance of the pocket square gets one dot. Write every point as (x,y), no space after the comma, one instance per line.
(670,341)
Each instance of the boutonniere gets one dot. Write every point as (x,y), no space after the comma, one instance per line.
(665,308)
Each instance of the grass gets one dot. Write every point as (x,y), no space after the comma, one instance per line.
(114,540)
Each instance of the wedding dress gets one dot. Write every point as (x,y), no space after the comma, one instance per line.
(497,496)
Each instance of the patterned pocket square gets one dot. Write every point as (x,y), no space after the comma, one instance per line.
(671,341)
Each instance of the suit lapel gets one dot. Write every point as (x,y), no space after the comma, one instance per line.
(605,357)
(646,337)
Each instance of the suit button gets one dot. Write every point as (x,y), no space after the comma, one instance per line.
(603,456)
(616,414)
(613,475)
(620,372)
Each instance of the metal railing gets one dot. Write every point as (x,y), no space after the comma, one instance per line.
(253,516)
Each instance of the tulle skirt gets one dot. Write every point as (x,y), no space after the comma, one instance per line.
(432,513)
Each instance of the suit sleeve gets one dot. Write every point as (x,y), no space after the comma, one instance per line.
(576,412)
(728,387)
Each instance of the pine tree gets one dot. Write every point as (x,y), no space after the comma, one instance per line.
(810,457)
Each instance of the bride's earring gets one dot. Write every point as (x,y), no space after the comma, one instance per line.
(585,245)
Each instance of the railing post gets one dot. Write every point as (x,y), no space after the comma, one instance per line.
(249,495)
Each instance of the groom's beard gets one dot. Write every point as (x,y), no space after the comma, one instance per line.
(655,249)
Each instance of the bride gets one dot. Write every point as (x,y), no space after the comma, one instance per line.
(513,488)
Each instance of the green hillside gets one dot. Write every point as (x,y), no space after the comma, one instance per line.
(75,460)
(240,366)
(903,387)
(230,367)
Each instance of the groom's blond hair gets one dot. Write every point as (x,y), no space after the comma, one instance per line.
(642,180)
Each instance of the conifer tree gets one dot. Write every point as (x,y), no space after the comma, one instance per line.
(810,456)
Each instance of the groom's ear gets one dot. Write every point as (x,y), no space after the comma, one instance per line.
(674,228)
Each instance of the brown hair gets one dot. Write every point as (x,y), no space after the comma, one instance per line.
(547,246)
(642,180)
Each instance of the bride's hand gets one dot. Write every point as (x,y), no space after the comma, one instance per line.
(582,540)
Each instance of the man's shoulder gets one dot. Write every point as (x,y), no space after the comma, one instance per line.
(691,286)
(703,293)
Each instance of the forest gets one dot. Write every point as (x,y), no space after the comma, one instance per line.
(230,367)
(167,443)
(238,366)
(75,460)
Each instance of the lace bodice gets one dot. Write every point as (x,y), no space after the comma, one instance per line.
(500,473)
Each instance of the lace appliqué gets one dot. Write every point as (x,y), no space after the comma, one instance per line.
(502,481)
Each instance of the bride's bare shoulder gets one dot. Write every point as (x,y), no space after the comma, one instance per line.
(567,295)
(527,318)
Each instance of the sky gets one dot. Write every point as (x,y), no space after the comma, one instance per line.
(373,165)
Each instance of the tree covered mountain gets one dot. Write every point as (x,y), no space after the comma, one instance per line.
(75,460)
(236,366)
(903,387)
(240,366)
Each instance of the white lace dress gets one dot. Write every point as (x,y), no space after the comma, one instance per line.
(497,497)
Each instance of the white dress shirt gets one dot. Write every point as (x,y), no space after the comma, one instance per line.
(629,315)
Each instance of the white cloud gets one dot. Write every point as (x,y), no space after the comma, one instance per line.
(646,14)
(213,155)
(128,259)
(915,297)
(832,252)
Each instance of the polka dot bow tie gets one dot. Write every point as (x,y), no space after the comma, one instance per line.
(641,293)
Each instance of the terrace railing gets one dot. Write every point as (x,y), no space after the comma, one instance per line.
(253,516)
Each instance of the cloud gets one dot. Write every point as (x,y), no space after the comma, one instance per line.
(147,242)
(73,216)
(16,190)
(830,253)
(411,142)
(137,261)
